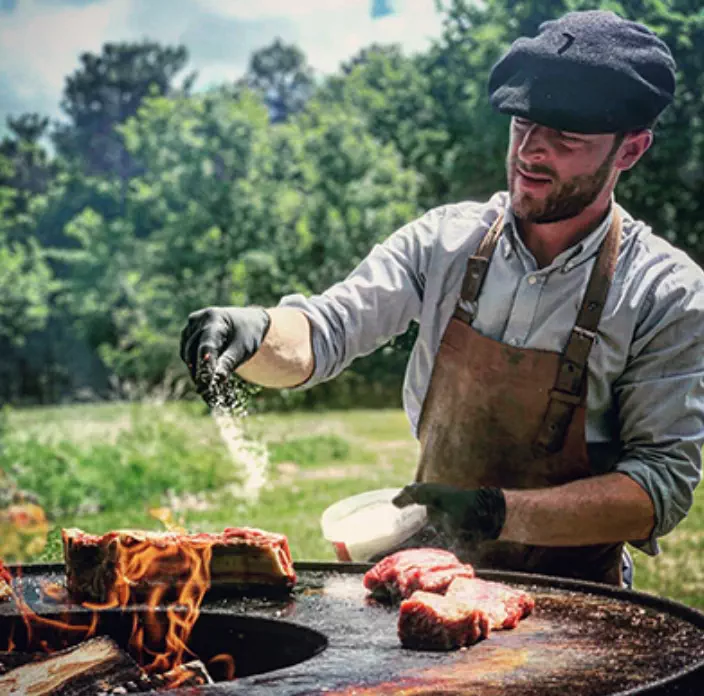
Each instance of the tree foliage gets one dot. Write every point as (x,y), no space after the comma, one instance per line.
(283,78)
(25,278)
(159,200)
(104,92)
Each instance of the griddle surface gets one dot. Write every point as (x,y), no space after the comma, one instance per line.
(576,642)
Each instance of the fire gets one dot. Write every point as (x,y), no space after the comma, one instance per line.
(159,641)
(138,566)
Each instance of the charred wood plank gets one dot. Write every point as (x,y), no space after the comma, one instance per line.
(92,667)
(192,673)
(10,660)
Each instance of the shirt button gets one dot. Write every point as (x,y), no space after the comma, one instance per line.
(532,280)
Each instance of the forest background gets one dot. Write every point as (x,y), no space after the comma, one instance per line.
(150,200)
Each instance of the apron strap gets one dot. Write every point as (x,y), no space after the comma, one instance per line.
(477,266)
(568,390)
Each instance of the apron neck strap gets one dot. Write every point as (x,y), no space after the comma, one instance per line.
(477,266)
(569,388)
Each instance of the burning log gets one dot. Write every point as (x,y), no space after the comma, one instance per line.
(10,660)
(94,666)
(192,673)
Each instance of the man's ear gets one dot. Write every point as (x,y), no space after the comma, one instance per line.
(632,148)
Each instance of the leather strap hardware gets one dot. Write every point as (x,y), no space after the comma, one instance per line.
(569,387)
(477,267)
(566,398)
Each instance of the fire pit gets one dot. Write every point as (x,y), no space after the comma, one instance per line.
(583,639)
(256,645)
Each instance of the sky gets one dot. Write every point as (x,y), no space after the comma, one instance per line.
(41,40)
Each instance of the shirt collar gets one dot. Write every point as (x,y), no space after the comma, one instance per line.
(568,259)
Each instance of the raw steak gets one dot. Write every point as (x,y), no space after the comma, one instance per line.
(503,605)
(241,557)
(468,612)
(404,572)
(430,621)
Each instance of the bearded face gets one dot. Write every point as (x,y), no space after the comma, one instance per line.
(545,187)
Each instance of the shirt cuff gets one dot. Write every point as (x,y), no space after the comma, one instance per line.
(637,471)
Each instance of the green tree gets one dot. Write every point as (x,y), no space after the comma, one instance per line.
(107,90)
(30,170)
(25,279)
(665,188)
(198,210)
(394,94)
(342,192)
(282,76)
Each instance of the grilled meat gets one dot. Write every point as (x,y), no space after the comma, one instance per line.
(241,557)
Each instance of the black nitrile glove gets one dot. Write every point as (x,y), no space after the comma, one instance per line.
(477,515)
(217,340)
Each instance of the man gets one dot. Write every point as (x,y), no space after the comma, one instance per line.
(557,382)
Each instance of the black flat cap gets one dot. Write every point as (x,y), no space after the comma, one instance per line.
(587,72)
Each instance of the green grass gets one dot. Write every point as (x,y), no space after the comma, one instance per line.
(104,466)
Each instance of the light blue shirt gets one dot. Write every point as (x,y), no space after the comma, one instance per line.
(646,368)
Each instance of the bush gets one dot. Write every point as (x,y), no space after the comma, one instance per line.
(144,463)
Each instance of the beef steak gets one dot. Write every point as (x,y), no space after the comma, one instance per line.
(468,612)
(402,573)
(430,621)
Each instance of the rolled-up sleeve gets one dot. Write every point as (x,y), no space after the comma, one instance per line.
(376,302)
(660,399)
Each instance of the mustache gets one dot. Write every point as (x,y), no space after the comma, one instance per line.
(536,169)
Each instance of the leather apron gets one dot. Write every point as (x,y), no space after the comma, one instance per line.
(496,415)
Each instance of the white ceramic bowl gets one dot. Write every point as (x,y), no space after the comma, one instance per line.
(369,524)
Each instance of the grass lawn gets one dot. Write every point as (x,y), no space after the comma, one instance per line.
(104,466)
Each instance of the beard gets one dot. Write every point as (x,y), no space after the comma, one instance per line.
(568,198)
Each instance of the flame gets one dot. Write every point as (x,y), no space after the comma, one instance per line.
(159,640)
(54,591)
(229,663)
(142,567)
(32,620)
(165,516)
(143,563)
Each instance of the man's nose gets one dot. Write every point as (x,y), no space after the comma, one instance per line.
(533,144)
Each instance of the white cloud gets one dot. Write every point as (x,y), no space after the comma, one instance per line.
(331,38)
(266,9)
(40,42)
(44,42)
(330,31)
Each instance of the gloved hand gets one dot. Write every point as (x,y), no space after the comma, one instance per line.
(475,515)
(217,340)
